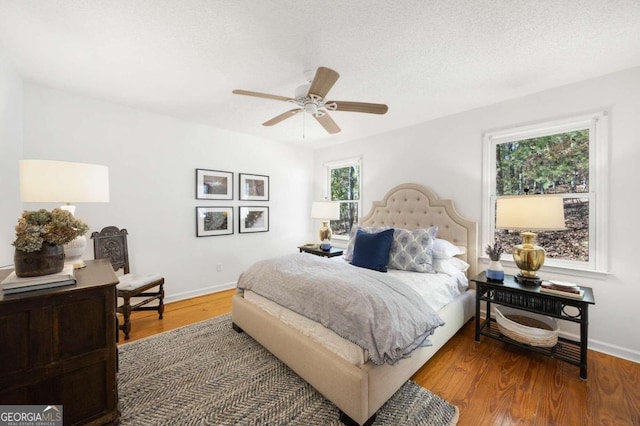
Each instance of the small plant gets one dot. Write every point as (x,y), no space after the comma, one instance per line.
(494,251)
(57,227)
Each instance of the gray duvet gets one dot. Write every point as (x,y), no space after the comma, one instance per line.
(369,308)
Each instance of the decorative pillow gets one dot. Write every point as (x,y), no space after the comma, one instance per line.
(412,250)
(348,253)
(443,249)
(450,266)
(371,250)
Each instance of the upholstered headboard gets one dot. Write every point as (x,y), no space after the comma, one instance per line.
(413,206)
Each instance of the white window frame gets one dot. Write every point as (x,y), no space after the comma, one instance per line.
(598,125)
(328,166)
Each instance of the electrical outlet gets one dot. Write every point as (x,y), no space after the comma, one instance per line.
(219,267)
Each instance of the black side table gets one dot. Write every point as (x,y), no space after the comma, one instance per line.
(527,298)
(315,249)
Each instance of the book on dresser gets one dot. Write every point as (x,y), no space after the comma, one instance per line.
(13,284)
(562,289)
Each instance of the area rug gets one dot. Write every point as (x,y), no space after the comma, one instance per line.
(206,373)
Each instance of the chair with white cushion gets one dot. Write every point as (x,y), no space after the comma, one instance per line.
(111,243)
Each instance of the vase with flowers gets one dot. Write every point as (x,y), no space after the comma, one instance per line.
(495,272)
(40,236)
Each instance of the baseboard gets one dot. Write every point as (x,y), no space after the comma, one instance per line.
(199,292)
(614,350)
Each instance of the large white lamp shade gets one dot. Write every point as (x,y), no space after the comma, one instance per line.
(46,181)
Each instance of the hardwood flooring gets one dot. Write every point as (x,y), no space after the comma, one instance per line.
(491,382)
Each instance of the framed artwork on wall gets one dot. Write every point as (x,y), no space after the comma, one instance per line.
(212,221)
(254,187)
(253,219)
(214,185)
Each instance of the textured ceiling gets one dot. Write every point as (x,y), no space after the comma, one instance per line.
(425,59)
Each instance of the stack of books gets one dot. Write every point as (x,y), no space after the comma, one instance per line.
(14,284)
(562,288)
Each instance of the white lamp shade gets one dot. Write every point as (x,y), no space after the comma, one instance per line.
(325,210)
(44,181)
(530,213)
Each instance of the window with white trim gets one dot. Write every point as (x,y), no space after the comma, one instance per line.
(343,185)
(565,157)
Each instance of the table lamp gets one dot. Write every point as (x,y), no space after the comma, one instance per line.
(529,213)
(325,211)
(46,181)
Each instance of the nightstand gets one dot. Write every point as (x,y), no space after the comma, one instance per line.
(529,298)
(315,249)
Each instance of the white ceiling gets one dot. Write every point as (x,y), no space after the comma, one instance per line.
(424,58)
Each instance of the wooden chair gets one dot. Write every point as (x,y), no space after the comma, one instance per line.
(111,243)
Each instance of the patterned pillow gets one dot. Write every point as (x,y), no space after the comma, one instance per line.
(348,253)
(411,250)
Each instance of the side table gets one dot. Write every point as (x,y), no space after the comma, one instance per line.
(59,347)
(529,298)
(315,249)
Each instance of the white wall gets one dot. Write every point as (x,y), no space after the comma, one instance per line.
(446,155)
(10,153)
(152,161)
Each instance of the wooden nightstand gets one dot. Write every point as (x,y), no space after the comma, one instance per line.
(315,249)
(511,293)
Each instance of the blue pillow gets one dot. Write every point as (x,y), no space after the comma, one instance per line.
(371,250)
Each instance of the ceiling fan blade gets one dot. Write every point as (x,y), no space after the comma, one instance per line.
(323,81)
(327,122)
(282,117)
(358,107)
(261,95)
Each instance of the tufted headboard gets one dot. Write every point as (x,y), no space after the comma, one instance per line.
(413,206)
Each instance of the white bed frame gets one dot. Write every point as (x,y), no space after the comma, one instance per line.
(359,391)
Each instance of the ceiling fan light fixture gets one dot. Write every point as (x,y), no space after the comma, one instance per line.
(310,107)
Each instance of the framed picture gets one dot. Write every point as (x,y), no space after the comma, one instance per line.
(212,221)
(254,187)
(214,185)
(253,219)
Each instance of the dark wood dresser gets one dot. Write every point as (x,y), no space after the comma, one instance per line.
(58,346)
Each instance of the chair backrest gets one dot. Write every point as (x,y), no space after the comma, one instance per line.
(111,243)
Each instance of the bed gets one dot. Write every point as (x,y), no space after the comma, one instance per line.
(360,389)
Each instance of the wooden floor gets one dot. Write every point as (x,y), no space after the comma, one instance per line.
(492,383)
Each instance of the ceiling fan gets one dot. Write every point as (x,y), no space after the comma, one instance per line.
(310,98)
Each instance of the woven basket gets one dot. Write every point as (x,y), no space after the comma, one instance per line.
(527,327)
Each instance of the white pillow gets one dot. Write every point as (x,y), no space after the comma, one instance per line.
(450,266)
(443,249)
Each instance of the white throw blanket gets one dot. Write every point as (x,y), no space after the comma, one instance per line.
(371,309)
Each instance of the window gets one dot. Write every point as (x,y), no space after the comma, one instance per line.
(344,186)
(567,158)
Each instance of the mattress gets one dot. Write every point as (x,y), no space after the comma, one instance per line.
(436,291)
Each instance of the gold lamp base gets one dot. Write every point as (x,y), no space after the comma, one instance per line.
(325,235)
(529,258)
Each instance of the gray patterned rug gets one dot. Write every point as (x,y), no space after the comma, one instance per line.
(206,373)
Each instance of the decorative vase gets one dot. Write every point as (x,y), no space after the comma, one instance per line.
(48,260)
(495,272)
